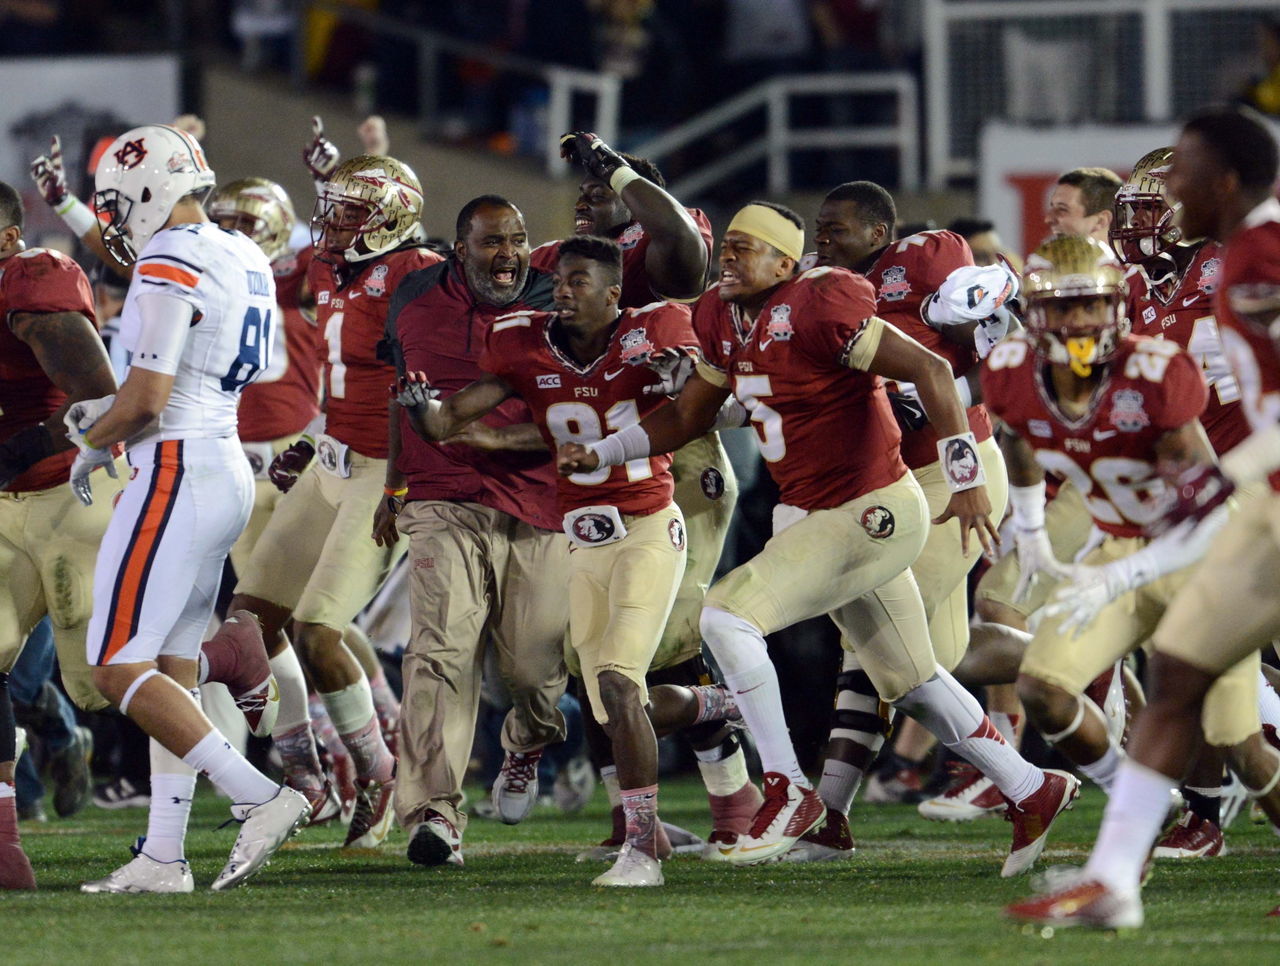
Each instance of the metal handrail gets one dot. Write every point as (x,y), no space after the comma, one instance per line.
(781,137)
(562,82)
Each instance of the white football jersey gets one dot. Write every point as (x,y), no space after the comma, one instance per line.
(228,281)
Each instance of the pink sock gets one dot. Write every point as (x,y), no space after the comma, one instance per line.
(369,753)
(641,808)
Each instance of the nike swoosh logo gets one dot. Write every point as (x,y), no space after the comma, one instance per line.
(1186,302)
(766,343)
(608,376)
(1100,434)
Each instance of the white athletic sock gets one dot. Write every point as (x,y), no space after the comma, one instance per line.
(293,691)
(229,771)
(351,708)
(167,817)
(724,776)
(839,784)
(1131,822)
(609,778)
(740,651)
(1103,771)
(1006,724)
(956,718)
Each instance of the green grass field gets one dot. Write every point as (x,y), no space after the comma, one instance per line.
(916,892)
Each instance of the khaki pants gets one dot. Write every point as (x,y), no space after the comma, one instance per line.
(477,578)
(851,562)
(48,548)
(1231,708)
(265,499)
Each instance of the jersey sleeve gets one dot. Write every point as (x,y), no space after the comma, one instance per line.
(670,326)
(708,316)
(839,319)
(545,256)
(44,282)
(502,341)
(1185,392)
(171,265)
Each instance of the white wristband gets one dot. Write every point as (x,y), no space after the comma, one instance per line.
(622,177)
(629,443)
(966,393)
(961,466)
(1027,503)
(76,215)
(732,415)
(314,429)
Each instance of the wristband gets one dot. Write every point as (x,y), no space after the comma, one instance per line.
(1027,503)
(961,467)
(622,177)
(76,215)
(628,443)
(966,393)
(394,491)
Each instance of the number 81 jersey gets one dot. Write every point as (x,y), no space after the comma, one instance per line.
(228,283)
(1108,452)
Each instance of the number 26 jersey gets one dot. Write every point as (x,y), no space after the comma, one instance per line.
(228,283)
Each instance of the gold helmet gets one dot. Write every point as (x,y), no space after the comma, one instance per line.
(370,205)
(1143,231)
(259,208)
(1074,268)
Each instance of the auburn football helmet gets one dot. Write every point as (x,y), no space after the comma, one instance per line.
(140,178)
(370,205)
(1144,230)
(1062,280)
(259,208)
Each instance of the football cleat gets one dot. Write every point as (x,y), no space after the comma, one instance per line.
(830,841)
(787,813)
(265,827)
(1033,816)
(1234,795)
(1085,903)
(970,795)
(902,785)
(1191,837)
(120,793)
(633,868)
(435,841)
(323,799)
(69,769)
(373,815)
(145,874)
(574,785)
(252,685)
(515,790)
(731,816)
(1107,692)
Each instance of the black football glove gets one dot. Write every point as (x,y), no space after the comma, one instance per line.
(597,158)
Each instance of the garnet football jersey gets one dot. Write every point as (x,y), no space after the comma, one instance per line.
(1248,305)
(272,410)
(572,403)
(637,290)
(436,326)
(906,273)
(825,430)
(1187,318)
(46,282)
(352,317)
(1109,452)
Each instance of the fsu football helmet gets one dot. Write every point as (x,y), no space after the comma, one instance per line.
(140,178)
(1143,231)
(1071,268)
(259,208)
(370,205)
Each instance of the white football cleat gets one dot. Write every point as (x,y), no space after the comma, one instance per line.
(788,813)
(633,868)
(265,828)
(145,874)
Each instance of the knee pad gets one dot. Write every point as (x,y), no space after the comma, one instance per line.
(859,716)
(737,644)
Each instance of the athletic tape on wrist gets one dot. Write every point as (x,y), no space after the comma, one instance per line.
(629,443)
(1027,503)
(622,177)
(961,466)
(76,215)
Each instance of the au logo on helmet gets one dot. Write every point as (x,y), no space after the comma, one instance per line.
(131,153)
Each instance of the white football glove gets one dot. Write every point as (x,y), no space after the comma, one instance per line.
(674,367)
(88,460)
(82,415)
(50,176)
(1083,596)
(411,395)
(321,156)
(969,294)
(1035,556)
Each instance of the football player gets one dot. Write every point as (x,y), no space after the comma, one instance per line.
(857,230)
(804,355)
(1223,172)
(50,357)
(314,562)
(586,369)
(198,321)
(665,251)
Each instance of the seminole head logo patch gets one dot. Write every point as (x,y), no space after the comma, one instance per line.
(878,522)
(593,528)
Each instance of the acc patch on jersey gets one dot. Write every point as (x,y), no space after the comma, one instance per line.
(1127,413)
(593,528)
(712,482)
(894,286)
(675,530)
(878,522)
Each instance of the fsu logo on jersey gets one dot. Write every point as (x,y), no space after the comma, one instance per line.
(878,522)
(894,286)
(593,528)
(675,530)
(631,237)
(376,285)
(1209,273)
(779,326)
(1127,413)
(131,155)
(636,347)
(712,482)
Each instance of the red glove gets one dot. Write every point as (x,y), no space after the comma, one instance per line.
(289,465)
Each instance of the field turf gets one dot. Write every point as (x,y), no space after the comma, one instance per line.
(916,892)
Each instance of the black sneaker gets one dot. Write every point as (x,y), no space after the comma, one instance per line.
(69,769)
(120,793)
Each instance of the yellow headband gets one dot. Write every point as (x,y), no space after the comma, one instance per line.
(771,227)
